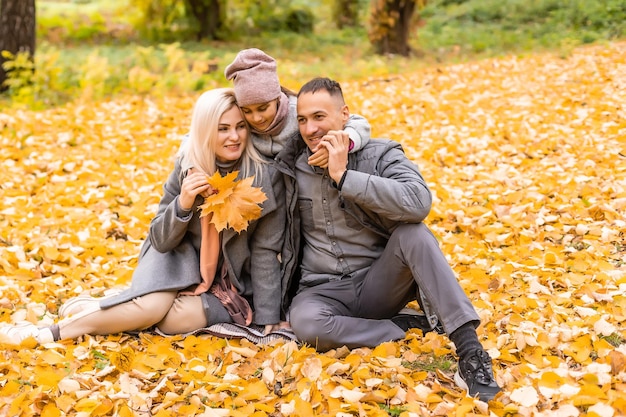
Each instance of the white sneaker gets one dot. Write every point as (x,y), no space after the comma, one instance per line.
(85,302)
(18,332)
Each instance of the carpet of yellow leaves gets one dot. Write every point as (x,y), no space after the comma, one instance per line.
(527,160)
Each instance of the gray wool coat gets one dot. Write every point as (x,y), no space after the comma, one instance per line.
(169,259)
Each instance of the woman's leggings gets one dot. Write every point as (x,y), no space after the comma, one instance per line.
(172,314)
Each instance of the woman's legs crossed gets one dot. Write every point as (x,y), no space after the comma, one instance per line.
(137,314)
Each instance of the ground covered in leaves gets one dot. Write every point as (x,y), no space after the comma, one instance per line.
(527,159)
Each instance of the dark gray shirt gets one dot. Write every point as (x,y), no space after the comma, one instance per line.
(335,244)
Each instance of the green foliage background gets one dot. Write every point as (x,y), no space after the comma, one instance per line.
(94,49)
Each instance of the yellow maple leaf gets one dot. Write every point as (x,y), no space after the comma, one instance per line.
(255,391)
(50,410)
(224,186)
(235,203)
(123,360)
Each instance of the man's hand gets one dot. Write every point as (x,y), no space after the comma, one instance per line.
(337,143)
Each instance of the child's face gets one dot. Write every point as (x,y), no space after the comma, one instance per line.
(260,116)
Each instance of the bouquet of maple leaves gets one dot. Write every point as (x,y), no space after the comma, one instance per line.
(235,204)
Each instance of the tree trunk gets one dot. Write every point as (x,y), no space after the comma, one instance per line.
(390,25)
(346,13)
(17,30)
(210,17)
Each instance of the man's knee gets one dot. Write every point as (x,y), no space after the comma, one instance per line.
(409,230)
(303,319)
(308,322)
(412,234)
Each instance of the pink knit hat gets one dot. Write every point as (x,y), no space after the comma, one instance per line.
(254,77)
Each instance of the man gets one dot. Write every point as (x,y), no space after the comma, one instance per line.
(362,249)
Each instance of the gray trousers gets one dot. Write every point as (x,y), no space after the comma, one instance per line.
(356,311)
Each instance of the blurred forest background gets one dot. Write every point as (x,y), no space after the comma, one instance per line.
(93,49)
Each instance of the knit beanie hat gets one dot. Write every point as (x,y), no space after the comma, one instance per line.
(254,77)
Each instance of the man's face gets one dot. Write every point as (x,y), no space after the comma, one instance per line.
(318,113)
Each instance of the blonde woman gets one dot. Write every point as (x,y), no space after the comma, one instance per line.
(169,288)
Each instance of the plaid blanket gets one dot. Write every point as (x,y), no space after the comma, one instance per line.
(253,333)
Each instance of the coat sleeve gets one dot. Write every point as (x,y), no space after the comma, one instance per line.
(395,191)
(167,229)
(359,130)
(266,245)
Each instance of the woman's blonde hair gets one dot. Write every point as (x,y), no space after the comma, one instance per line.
(198,151)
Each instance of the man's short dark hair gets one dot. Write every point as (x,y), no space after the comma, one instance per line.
(322,83)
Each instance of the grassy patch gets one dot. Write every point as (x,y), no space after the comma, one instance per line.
(88,22)
(432,363)
(488,27)
(393,411)
(614,339)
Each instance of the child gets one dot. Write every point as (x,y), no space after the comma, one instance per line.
(271,109)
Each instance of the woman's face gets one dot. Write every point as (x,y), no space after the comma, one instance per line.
(232,136)
(260,116)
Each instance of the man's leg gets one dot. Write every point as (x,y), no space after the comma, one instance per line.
(323,316)
(411,259)
(412,255)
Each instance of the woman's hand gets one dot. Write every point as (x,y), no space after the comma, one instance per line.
(194,183)
(273,327)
